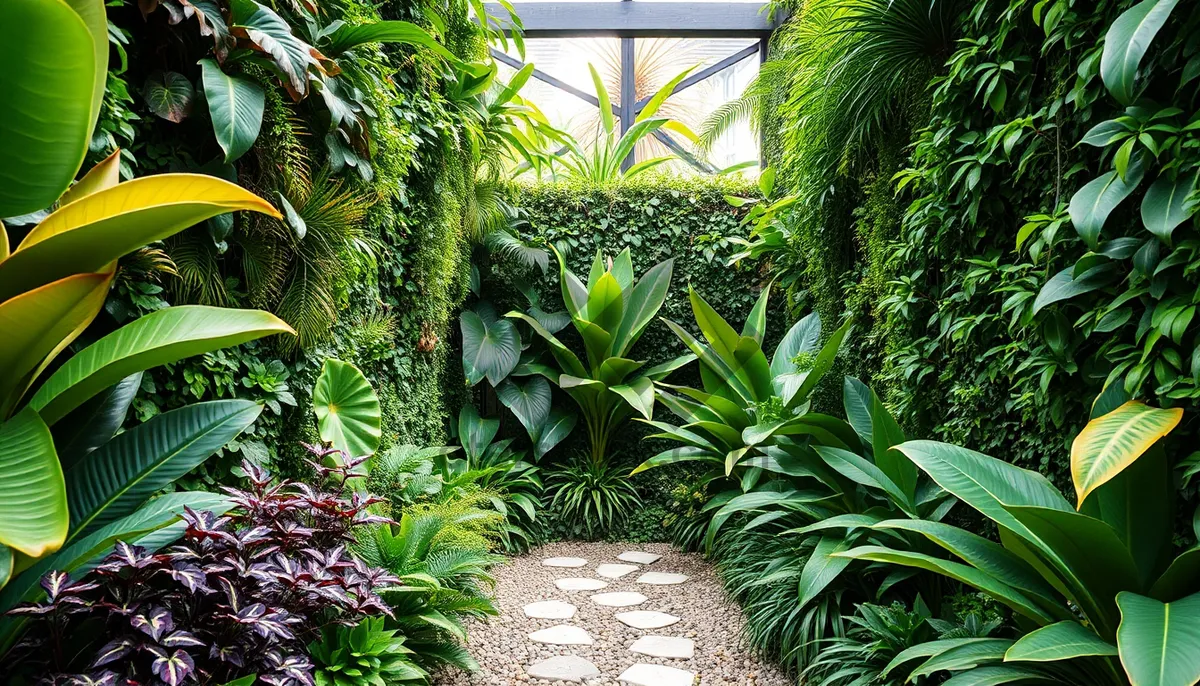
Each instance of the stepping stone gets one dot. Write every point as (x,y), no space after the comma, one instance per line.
(646,619)
(550,609)
(639,558)
(580,584)
(662,579)
(664,646)
(563,668)
(564,562)
(643,674)
(609,571)
(621,599)
(562,635)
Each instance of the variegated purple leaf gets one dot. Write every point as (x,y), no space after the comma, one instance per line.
(105,678)
(191,576)
(114,650)
(230,654)
(154,623)
(173,668)
(181,639)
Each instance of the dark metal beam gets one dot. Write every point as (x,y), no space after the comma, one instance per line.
(628,92)
(683,153)
(543,76)
(641,18)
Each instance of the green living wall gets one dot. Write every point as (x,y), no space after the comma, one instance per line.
(656,218)
(372,265)
(940,210)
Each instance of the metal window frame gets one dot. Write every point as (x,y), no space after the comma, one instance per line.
(631,19)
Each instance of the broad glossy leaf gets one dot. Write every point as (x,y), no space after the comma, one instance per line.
(347,37)
(347,409)
(979,552)
(885,435)
(677,455)
(529,401)
(1065,285)
(166,335)
(995,675)
(857,398)
(1182,577)
(756,322)
(820,365)
(926,649)
(87,235)
(1088,556)
(639,394)
(1166,204)
(990,585)
(92,424)
(1112,442)
(963,657)
(41,322)
(1126,43)
(555,429)
(1159,643)
(33,497)
(490,351)
(106,174)
(645,300)
(1064,640)
(863,472)
(822,568)
(6,564)
(605,309)
(661,371)
(271,34)
(120,476)
(40,154)
(1091,205)
(474,432)
(985,483)
(169,95)
(235,105)
(566,359)
(803,337)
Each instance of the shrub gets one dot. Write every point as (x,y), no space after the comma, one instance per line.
(240,594)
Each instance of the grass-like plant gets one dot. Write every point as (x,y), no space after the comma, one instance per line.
(591,497)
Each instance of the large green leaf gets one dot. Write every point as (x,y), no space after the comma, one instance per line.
(346,37)
(995,675)
(118,477)
(821,364)
(645,300)
(474,432)
(93,423)
(639,394)
(756,322)
(347,409)
(40,323)
(33,497)
(490,351)
(553,431)
(566,359)
(1064,640)
(271,34)
(964,656)
(1159,643)
(1126,43)
(803,337)
(160,337)
(985,483)
(1066,285)
(862,471)
(169,95)
(46,114)
(822,568)
(529,401)
(1112,442)
(857,399)
(1091,205)
(987,583)
(235,105)
(92,232)
(1166,204)
(885,435)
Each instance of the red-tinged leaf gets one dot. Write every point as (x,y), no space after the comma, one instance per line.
(191,576)
(154,623)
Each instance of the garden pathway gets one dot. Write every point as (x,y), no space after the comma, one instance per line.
(612,614)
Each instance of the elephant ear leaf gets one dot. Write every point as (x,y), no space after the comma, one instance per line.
(1112,442)
(530,402)
(490,350)
(347,409)
(235,105)
(1159,643)
(474,432)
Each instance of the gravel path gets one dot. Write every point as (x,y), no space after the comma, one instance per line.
(504,650)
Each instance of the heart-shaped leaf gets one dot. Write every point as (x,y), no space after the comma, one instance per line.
(235,105)
(169,94)
(490,350)
(347,409)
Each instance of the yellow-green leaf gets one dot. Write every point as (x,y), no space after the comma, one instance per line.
(1112,442)
(36,324)
(33,494)
(88,234)
(104,175)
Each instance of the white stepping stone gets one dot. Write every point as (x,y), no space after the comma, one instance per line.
(609,571)
(639,557)
(550,609)
(564,562)
(646,619)
(580,584)
(621,599)
(562,635)
(563,668)
(662,578)
(643,674)
(664,646)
